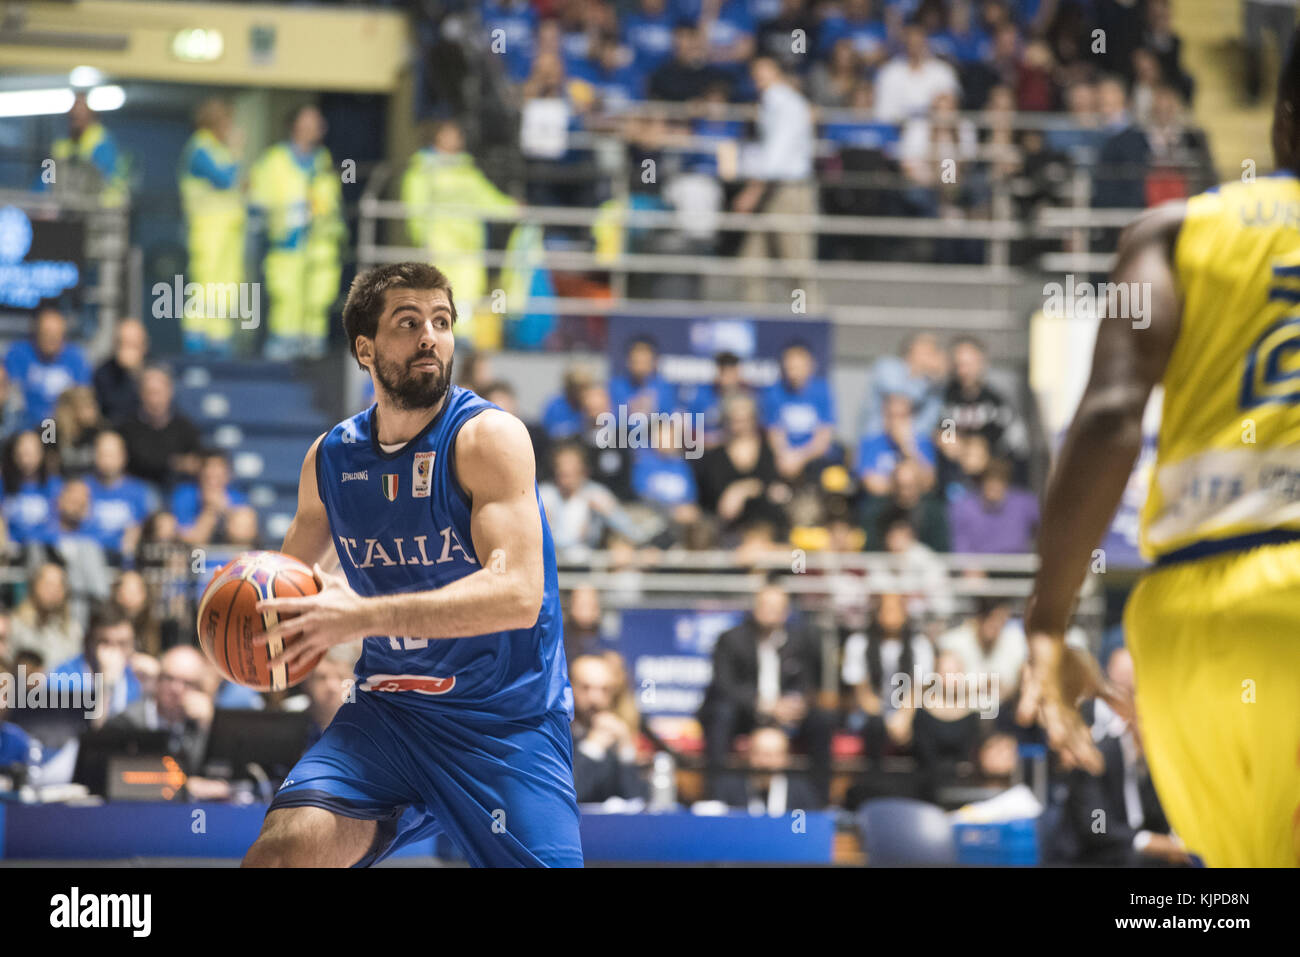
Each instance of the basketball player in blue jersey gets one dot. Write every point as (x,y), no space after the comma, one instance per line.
(459,720)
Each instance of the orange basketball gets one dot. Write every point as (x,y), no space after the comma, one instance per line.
(228,620)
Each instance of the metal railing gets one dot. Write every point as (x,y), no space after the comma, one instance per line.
(677,577)
(1061,239)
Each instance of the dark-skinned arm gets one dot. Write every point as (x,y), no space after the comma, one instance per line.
(1093,466)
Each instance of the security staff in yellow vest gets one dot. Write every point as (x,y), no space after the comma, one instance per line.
(214,215)
(297,191)
(87,159)
(444,175)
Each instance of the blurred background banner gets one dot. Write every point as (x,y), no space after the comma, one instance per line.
(40,257)
(669,652)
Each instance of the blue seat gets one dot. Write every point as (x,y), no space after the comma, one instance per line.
(264,417)
(902,832)
(271,461)
(248,403)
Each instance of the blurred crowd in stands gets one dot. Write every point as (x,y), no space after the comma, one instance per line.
(864,108)
(948,109)
(109,496)
(940,462)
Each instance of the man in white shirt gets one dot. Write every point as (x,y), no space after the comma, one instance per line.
(907,85)
(780,177)
(990,644)
(768,788)
(578,509)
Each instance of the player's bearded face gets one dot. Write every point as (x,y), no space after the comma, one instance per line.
(409,387)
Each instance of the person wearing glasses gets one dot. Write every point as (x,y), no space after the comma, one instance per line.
(183,705)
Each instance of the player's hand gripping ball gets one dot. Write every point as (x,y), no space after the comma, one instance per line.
(230,625)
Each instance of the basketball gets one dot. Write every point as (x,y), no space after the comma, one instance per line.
(229,623)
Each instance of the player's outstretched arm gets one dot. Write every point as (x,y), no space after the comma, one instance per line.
(1093,466)
(308,538)
(495,466)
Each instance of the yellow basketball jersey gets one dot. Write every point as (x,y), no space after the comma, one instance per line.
(1227,470)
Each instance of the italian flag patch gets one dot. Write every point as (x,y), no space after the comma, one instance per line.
(389,484)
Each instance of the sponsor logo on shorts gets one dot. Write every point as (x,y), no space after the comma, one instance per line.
(356,476)
(389,484)
(421,684)
(422,475)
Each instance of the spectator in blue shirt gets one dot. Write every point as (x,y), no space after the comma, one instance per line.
(799,415)
(731,36)
(563,416)
(511,26)
(640,388)
(648,32)
(46,365)
(119,503)
(68,541)
(962,41)
(200,507)
(663,478)
(880,452)
(615,83)
(918,372)
(29,489)
(857,23)
(108,648)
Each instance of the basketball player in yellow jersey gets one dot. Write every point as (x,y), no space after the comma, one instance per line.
(1214,625)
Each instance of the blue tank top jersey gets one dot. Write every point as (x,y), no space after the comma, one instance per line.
(401,523)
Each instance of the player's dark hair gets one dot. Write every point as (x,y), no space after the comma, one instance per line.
(365,302)
(969,341)
(726,359)
(1286,113)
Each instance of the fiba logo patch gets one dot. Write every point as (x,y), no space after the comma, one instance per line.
(389,485)
(422,475)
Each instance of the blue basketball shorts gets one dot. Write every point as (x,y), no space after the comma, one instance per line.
(501,791)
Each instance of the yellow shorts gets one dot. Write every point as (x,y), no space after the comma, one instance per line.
(1216,657)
